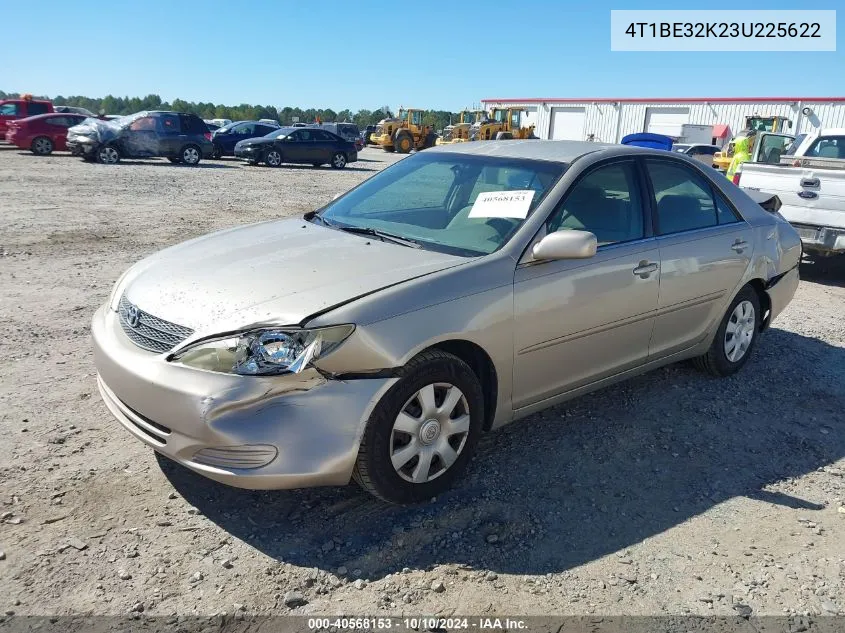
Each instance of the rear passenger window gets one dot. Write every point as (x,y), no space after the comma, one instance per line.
(169,123)
(684,199)
(9,109)
(606,202)
(34,108)
(725,212)
(828,147)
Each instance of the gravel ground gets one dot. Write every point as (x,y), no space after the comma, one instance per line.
(673,493)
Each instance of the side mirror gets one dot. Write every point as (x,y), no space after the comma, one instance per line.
(566,244)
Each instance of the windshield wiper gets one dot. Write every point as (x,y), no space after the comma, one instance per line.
(384,237)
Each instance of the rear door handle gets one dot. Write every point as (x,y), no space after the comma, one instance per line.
(645,268)
(739,246)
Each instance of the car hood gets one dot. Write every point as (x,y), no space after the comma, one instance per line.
(98,129)
(279,272)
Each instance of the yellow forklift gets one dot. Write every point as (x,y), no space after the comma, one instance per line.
(459,132)
(502,124)
(404,132)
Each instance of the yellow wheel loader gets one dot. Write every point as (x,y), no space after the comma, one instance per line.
(502,124)
(459,132)
(753,124)
(404,132)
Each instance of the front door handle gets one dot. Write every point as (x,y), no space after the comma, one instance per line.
(645,268)
(739,246)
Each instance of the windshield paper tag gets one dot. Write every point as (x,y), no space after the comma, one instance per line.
(502,204)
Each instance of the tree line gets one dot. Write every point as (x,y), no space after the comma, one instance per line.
(109,104)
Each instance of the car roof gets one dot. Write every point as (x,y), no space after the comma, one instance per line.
(533,149)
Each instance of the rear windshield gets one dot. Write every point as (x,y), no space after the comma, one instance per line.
(456,203)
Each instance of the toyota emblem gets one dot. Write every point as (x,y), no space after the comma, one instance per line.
(133,316)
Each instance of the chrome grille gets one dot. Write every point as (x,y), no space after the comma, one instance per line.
(149,332)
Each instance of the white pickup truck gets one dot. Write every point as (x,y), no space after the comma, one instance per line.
(809,180)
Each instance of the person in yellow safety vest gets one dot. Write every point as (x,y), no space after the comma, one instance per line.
(742,154)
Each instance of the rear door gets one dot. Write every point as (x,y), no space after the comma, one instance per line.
(57,126)
(171,137)
(705,249)
(325,145)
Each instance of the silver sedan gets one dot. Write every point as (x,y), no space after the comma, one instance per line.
(463,288)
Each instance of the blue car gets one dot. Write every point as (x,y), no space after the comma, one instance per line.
(228,136)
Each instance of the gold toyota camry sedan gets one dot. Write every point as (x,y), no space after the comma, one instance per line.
(460,289)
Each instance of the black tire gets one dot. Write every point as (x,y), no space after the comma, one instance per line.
(374,470)
(389,149)
(338,160)
(190,155)
(716,361)
(41,146)
(403,142)
(218,152)
(175,161)
(108,155)
(273,158)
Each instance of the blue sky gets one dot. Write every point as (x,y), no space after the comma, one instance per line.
(369,53)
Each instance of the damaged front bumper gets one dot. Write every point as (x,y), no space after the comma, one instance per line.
(288,431)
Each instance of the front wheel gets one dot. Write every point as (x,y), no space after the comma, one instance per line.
(339,160)
(108,155)
(42,146)
(273,158)
(422,433)
(736,336)
(403,143)
(190,155)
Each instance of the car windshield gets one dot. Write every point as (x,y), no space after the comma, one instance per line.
(680,147)
(277,134)
(455,203)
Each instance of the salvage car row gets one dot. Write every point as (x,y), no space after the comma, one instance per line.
(184,138)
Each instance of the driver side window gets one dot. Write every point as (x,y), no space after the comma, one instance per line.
(606,202)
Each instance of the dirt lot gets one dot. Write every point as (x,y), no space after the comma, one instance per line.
(671,494)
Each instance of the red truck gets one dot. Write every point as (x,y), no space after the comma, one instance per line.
(13,109)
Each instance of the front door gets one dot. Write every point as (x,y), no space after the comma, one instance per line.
(578,321)
(141,139)
(705,248)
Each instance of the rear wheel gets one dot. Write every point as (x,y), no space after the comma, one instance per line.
(218,151)
(736,336)
(190,155)
(108,155)
(42,146)
(403,143)
(338,160)
(273,158)
(422,433)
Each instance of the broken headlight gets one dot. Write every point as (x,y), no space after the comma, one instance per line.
(264,352)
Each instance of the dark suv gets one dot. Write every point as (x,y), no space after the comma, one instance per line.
(230,135)
(181,138)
